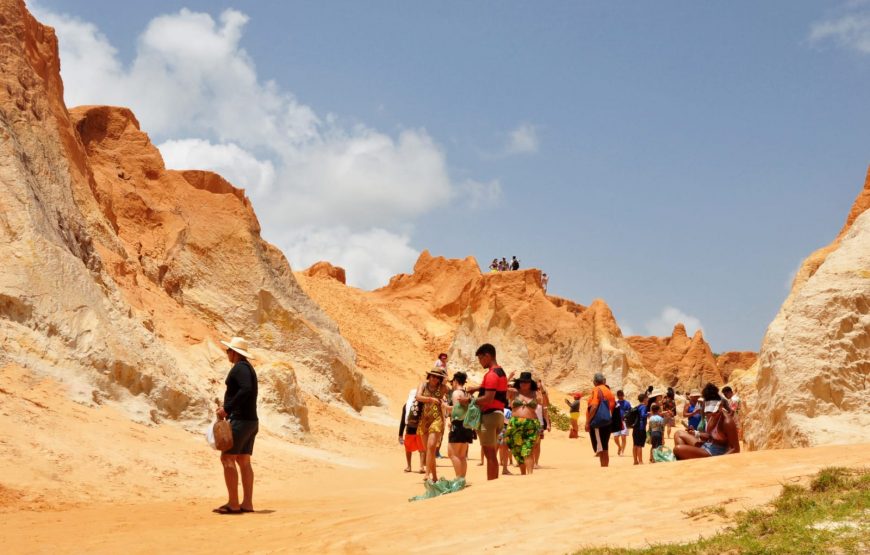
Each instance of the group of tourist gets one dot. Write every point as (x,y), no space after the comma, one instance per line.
(712,426)
(503,265)
(513,418)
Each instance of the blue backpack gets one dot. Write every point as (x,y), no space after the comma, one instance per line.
(602,416)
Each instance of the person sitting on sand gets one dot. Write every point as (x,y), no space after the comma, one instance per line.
(523,428)
(638,433)
(720,435)
(408,431)
(432,393)
(574,413)
(656,429)
(459,437)
(600,435)
(693,410)
(623,407)
(240,407)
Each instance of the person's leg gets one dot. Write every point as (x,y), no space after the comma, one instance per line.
(481,456)
(422,461)
(683,437)
(247,472)
(462,452)
(408,460)
(536,453)
(491,463)
(231,479)
(453,453)
(432,442)
(683,452)
(604,457)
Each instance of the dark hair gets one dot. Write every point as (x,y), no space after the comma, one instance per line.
(670,393)
(727,389)
(485,349)
(442,355)
(642,397)
(460,377)
(649,389)
(655,407)
(620,392)
(710,393)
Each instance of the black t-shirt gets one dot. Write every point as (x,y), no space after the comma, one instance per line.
(240,400)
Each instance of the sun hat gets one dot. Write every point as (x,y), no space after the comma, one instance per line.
(437,372)
(656,393)
(525,377)
(695,393)
(239,345)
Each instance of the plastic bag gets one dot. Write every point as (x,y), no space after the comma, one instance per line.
(441,487)
(472,416)
(663,454)
(209,436)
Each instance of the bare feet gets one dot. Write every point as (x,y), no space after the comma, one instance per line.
(507,472)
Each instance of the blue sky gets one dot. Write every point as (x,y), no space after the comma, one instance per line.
(678,160)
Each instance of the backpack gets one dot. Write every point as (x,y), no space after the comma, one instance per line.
(602,416)
(632,418)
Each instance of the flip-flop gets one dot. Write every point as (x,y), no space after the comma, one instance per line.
(226,510)
(244,510)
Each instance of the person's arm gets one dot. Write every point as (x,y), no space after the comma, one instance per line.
(733,437)
(567,402)
(423,398)
(243,380)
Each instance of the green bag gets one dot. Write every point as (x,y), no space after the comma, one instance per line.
(663,454)
(472,416)
(441,487)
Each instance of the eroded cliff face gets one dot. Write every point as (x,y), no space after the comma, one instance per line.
(679,361)
(814,365)
(125,274)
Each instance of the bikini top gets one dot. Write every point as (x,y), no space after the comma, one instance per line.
(517,403)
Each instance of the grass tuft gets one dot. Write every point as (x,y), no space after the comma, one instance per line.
(832,515)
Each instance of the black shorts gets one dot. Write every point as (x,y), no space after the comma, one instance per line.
(657,439)
(459,433)
(600,438)
(638,436)
(244,432)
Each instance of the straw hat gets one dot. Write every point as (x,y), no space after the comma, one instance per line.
(656,393)
(694,393)
(239,345)
(438,372)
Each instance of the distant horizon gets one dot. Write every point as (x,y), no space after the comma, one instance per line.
(678,163)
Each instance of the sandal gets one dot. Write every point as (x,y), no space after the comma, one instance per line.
(226,510)
(244,510)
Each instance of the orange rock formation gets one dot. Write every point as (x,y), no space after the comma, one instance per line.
(735,360)
(325,269)
(678,361)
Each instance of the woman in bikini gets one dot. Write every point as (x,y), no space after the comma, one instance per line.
(720,435)
(432,394)
(523,428)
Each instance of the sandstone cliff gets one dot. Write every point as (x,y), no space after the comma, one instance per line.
(124,274)
(813,368)
(732,361)
(678,361)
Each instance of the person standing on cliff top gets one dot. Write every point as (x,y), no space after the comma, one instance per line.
(492,400)
(240,407)
(515,264)
(545,280)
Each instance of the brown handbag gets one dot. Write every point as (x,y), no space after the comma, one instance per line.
(223,434)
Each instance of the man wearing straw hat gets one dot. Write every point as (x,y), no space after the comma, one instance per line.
(240,407)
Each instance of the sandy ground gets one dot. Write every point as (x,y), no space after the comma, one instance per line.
(78,478)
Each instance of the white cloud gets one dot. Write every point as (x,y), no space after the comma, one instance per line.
(194,88)
(523,140)
(850,31)
(663,324)
(368,256)
(480,195)
(235,164)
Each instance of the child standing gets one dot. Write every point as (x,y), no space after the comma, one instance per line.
(656,429)
(638,433)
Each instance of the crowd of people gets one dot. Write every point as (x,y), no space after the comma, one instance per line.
(503,265)
(515,418)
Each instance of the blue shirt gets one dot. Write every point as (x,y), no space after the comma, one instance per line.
(694,421)
(624,407)
(642,413)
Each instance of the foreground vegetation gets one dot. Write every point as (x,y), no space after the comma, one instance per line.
(830,515)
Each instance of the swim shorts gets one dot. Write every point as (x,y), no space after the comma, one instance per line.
(413,443)
(459,433)
(491,425)
(714,449)
(657,439)
(638,437)
(244,432)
